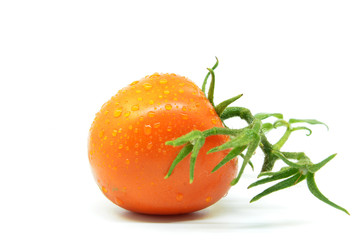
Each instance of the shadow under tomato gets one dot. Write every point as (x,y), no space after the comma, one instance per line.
(229,214)
(138,217)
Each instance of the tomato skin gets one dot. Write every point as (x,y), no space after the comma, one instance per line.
(129,158)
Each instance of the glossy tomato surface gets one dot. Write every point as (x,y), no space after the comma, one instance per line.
(129,158)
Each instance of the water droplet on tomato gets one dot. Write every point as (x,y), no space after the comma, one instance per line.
(151,114)
(168,106)
(147,86)
(149,145)
(166,92)
(114,132)
(157,125)
(127,161)
(117,112)
(184,116)
(101,133)
(127,113)
(208,199)
(134,83)
(163,81)
(147,129)
(135,108)
(169,129)
(181,90)
(179,197)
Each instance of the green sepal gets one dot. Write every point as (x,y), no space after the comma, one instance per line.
(221,106)
(302,128)
(268,173)
(315,191)
(231,155)
(276,176)
(208,74)
(279,186)
(195,151)
(180,156)
(315,167)
(244,138)
(262,116)
(189,137)
(284,159)
(210,94)
(309,121)
(249,153)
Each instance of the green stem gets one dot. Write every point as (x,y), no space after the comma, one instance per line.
(283,139)
(265,145)
(221,131)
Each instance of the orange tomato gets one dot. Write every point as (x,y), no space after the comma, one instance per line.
(129,158)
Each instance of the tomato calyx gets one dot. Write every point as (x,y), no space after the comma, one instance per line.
(245,141)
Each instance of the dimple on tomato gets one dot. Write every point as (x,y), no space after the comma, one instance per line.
(130,160)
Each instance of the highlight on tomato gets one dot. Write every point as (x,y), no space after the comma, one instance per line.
(161,146)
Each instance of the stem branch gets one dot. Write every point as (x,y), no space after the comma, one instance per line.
(265,145)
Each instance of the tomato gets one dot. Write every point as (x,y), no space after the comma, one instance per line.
(129,158)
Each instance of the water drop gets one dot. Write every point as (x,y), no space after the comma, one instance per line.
(181,90)
(151,102)
(134,83)
(147,86)
(163,81)
(135,108)
(151,114)
(184,108)
(104,189)
(179,197)
(147,129)
(114,133)
(149,145)
(184,116)
(166,92)
(157,125)
(117,112)
(127,113)
(101,133)
(208,199)
(168,106)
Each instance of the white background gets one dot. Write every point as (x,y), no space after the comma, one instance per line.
(61,60)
